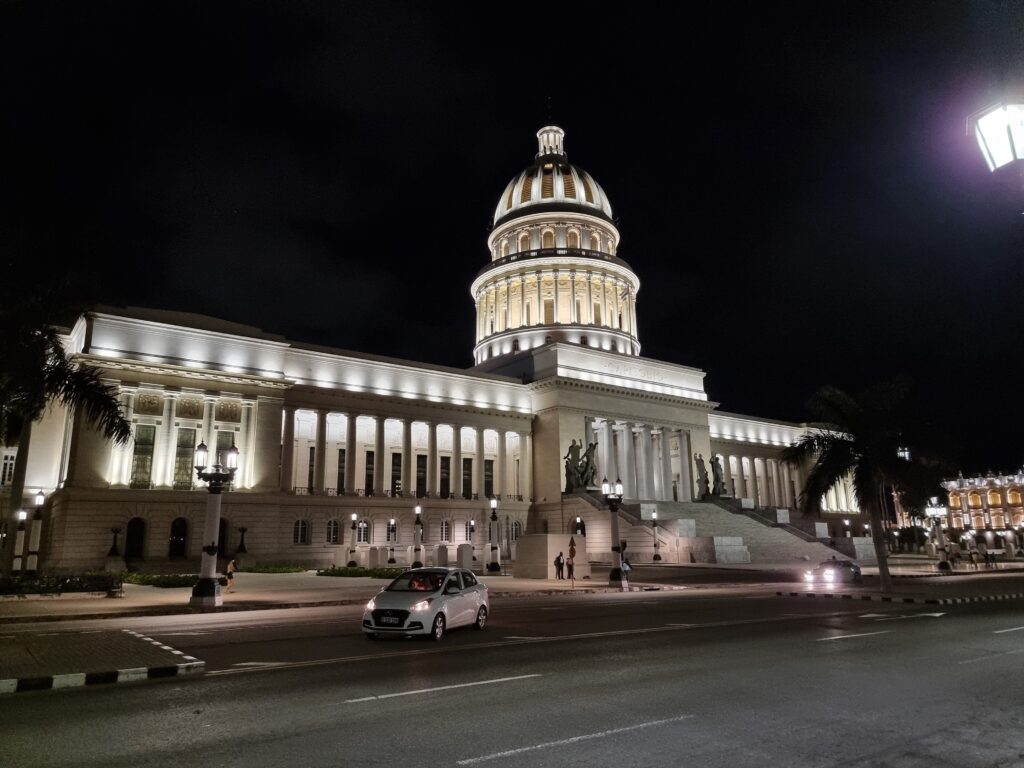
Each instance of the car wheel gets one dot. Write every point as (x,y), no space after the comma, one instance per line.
(437,628)
(481,618)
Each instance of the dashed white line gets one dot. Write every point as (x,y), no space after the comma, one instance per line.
(572,740)
(1011,629)
(844,637)
(991,656)
(439,688)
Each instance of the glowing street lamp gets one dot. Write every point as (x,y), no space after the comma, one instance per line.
(206,592)
(999,131)
(654,530)
(417,561)
(613,497)
(494,563)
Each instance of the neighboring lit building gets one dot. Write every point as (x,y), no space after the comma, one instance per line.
(337,444)
(989,506)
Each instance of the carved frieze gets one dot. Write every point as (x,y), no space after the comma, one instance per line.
(228,410)
(189,408)
(149,405)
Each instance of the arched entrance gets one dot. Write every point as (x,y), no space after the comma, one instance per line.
(178,543)
(135,539)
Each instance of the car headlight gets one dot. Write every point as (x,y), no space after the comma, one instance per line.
(808,576)
(830,575)
(423,605)
(371,605)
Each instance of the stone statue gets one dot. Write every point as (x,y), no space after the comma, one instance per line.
(718,484)
(579,472)
(702,477)
(588,467)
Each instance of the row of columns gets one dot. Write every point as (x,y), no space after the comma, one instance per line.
(494,302)
(640,455)
(768,482)
(407,476)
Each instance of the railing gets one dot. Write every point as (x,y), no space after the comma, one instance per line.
(547,253)
(305,490)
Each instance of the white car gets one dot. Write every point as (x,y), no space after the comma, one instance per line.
(427,601)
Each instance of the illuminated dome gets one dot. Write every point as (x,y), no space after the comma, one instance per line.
(551,184)
(554,274)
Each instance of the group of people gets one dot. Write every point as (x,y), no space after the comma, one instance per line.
(563,564)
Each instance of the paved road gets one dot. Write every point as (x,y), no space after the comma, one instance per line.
(596,680)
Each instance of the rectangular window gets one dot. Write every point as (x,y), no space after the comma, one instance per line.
(421,476)
(142,456)
(446,470)
(368,479)
(396,474)
(488,477)
(549,312)
(224,442)
(7,469)
(309,469)
(184,459)
(597,313)
(467,478)
(341,471)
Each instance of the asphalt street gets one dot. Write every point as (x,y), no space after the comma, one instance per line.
(710,679)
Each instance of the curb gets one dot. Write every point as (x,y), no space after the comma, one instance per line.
(188,666)
(914,600)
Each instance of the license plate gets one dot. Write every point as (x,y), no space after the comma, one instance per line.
(389,620)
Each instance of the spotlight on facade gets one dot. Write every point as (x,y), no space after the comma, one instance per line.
(999,131)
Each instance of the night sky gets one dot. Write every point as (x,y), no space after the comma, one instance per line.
(793,181)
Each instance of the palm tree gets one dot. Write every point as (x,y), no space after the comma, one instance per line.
(34,372)
(858,437)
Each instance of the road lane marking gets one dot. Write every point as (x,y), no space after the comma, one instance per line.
(572,740)
(260,664)
(991,656)
(523,637)
(680,625)
(912,616)
(1011,629)
(438,688)
(862,634)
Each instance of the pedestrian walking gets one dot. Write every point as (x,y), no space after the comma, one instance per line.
(559,566)
(569,566)
(983,552)
(972,553)
(229,571)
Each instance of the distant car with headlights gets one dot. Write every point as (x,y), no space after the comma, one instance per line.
(834,572)
(427,601)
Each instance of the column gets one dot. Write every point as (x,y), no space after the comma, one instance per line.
(741,480)
(787,486)
(727,475)
(629,478)
(604,302)
(288,449)
(647,460)
(247,468)
(122,457)
(350,452)
(378,456)
(558,298)
(616,305)
(209,434)
(685,467)
(508,305)
(666,465)
(455,479)
(572,296)
(164,469)
(526,449)
(539,309)
(632,315)
(609,465)
(501,467)
(590,298)
(320,452)
(588,432)
(522,301)
(755,489)
(408,489)
(431,459)
(776,483)
(478,465)
(479,324)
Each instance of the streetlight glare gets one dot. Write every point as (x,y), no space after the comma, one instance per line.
(999,130)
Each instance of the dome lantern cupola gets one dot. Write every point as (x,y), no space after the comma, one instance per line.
(554,274)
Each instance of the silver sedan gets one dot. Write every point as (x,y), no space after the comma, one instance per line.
(427,601)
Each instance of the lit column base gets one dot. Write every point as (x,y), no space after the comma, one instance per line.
(206,594)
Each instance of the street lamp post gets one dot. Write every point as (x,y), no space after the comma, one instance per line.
(937,512)
(613,497)
(494,563)
(352,545)
(654,530)
(472,544)
(206,592)
(999,131)
(417,557)
(392,531)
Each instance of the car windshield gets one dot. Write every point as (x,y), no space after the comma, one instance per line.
(421,581)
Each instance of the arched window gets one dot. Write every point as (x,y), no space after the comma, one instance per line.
(446,531)
(135,539)
(504,247)
(300,532)
(974,499)
(595,242)
(978,521)
(517,530)
(1014,497)
(515,345)
(363,532)
(572,239)
(547,239)
(994,500)
(524,242)
(954,501)
(178,543)
(333,531)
